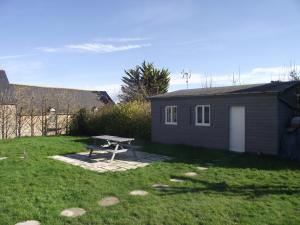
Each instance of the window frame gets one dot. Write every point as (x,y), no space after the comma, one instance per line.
(171,115)
(203,124)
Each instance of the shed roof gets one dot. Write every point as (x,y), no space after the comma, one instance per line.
(273,87)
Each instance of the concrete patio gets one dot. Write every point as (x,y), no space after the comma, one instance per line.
(100,160)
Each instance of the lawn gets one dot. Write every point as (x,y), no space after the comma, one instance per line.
(236,188)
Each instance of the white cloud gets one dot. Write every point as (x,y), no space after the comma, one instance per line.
(126,39)
(6,57)
(22,71)
(92,48)
(103,48)
(48,49)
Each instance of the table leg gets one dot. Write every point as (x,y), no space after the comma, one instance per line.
(114,153)
(91,150)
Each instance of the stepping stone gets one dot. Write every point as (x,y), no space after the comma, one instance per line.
(201,168)
(160,186)
(108,201)
(190,174)
(29,222)
(177,180)
(73,212)
(2,158)
(138,193)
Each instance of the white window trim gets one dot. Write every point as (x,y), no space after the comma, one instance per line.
(170,106)
(203,124)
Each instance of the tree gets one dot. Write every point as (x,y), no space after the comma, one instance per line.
(294,75)
(143,81)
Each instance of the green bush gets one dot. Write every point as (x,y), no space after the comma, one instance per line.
(80,123)
(132,119)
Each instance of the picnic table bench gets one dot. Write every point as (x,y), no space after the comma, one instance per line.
(120,145)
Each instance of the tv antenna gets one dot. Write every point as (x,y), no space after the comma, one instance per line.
(186,75)
(236,80)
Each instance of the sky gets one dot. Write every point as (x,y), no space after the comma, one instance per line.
(87,44)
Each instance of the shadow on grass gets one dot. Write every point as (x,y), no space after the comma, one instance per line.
(218,158)
(85,140)
(250,190)
(221,158)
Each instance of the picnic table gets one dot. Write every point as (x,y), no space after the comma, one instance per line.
(119,144)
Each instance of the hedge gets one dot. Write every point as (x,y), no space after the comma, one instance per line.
(132,119)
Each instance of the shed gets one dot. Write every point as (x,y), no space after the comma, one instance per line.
(242,118)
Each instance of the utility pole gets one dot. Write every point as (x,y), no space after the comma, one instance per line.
(186,76)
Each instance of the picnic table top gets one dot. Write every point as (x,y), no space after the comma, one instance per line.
(113,138)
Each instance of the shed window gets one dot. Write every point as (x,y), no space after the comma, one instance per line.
(202,114)
(171,115)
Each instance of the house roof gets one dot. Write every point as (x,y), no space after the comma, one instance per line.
(273,87)
(6,95)
(3,80)
(61,99)
(58,98)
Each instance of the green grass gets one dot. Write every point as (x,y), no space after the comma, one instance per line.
(237,189)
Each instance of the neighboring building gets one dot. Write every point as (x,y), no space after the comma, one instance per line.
(245,118)
(31,111)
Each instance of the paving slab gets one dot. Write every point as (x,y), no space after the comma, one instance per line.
(177,180)
(202,168)
(29,222)
(109,201)
(190,174)
(73,212)
(100,161)
(138,193)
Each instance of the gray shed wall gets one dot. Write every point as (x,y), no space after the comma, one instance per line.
(261,126)
(287,109)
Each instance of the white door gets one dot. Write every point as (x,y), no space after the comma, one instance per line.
(237,129)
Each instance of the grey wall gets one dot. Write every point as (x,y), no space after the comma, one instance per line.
(285,112)
(261,122)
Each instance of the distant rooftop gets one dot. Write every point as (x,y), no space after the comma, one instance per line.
(273,87)
(64,98)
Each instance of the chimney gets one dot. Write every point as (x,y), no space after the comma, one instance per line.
(4,83)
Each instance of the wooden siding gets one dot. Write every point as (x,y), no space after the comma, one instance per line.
(261,122)
(287,109)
